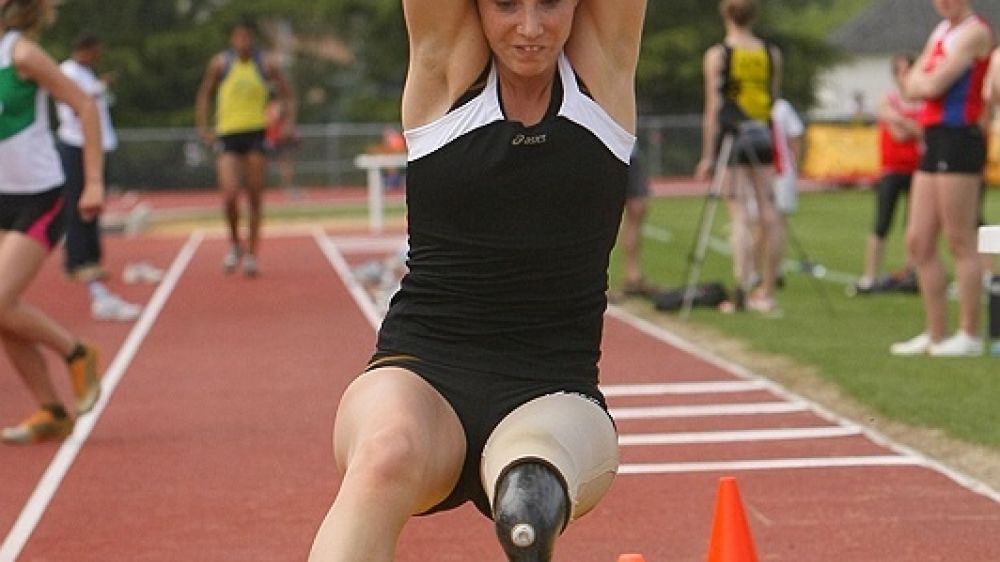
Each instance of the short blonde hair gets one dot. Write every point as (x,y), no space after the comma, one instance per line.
(27,16)
(740,12)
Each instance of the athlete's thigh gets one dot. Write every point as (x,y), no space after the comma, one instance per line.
(254,169)
(20,259)
(958,197)
(394,403)
(923,221)
(228,170)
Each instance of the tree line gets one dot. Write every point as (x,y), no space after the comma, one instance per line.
(347,58)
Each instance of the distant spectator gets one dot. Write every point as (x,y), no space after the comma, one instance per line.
(281,144)
(742,77)
(83,236)
(393,142)
(788,132)
(944,199)
(239,78)
(900,146)
(636,207)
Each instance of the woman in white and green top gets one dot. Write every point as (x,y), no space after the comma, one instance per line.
(31,181)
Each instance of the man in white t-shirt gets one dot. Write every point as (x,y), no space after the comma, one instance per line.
(788,131)
(83,237)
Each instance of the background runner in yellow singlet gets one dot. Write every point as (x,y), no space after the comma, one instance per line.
(241,78)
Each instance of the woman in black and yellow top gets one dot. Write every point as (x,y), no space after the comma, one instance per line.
(742,77)
(240,78)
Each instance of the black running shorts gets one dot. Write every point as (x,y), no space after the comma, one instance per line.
(954,150)
(37,215)
(480,399)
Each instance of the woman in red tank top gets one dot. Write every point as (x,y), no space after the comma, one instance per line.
(900,143)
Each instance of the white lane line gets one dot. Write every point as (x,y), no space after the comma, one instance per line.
(339,265)
(736,436)
(657,389)
(748,409)
(53,476)
(770,464)
(743,373)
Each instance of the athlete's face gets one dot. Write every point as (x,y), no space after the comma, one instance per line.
(241,40)
(951,9)
(526,36)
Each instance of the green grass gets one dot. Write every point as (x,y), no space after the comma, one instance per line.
(845,339)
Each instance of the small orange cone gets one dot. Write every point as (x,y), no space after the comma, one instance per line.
(631,558)
(731,540)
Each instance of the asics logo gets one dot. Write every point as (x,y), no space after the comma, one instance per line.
(528,140)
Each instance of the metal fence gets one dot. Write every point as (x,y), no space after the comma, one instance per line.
(175,158)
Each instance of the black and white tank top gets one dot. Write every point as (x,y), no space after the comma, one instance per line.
(510,229)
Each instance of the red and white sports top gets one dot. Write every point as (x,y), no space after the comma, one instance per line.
(962,103)
(900,156)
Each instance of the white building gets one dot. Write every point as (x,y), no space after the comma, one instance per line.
(888,27)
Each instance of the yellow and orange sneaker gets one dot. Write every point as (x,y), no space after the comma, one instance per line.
(86,382)
(41,426)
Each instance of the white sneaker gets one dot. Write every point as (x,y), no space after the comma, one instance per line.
(959,345)
(142,272)
(231,260)
(113,308)
(914,346)
(249,265)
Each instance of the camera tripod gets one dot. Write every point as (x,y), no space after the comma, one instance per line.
(735,140)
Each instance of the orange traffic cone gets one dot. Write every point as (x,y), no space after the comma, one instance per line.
(731,540)
(631,558)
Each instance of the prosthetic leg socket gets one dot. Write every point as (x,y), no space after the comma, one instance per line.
(530,511)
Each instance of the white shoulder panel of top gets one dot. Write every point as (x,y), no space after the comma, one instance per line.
(584,111)
(477,112)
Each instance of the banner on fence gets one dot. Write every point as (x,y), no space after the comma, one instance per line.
(849,152)
(841,152)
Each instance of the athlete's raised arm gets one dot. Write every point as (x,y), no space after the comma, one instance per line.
(604,50)
(447,52)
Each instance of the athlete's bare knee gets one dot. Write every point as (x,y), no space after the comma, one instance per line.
(387,459)
(920,250)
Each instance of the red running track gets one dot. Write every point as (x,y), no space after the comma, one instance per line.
(215,442)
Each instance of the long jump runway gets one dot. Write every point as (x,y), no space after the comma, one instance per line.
(212,442)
